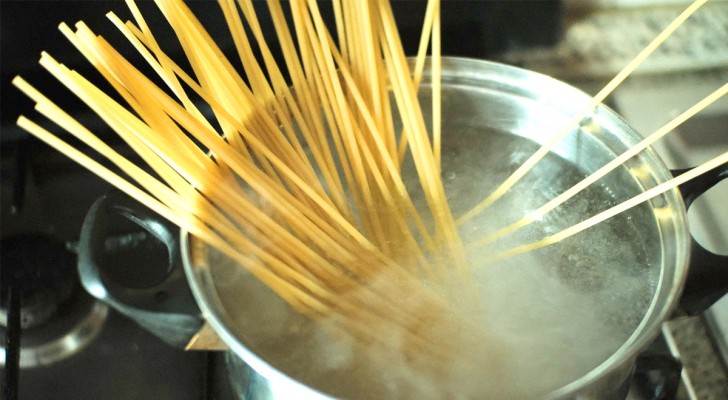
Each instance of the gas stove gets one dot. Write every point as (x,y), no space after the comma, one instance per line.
(74,347)
(117,359)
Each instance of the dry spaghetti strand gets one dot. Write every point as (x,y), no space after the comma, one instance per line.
(604,215)
(527,165)
(601,172)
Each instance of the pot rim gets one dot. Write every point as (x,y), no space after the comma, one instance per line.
(658,311)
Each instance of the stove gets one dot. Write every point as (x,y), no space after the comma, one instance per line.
(79,348)
(74,347)
(117,359)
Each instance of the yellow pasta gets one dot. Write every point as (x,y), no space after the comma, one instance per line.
(298,177)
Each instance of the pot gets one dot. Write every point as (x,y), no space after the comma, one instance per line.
(604,292)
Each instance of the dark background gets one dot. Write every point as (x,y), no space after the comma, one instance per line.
(478,29)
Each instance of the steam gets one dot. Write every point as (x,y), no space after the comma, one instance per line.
(523,328)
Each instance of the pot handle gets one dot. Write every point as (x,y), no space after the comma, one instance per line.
(707,279)
(129,258)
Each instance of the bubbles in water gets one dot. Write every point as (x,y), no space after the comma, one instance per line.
(542,318)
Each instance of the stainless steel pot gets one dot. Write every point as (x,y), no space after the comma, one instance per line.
(494,116)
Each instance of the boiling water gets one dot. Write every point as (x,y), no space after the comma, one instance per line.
(528,324)
(544,318)
(562,310)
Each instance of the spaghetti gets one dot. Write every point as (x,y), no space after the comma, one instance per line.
(300,180)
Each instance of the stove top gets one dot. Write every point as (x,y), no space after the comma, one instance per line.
(124,361)
(105,355)
(44,194)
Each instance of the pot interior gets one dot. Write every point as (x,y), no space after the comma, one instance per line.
(554,319)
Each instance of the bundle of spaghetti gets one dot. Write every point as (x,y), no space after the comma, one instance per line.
(298,180)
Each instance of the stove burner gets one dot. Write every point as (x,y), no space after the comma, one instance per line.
(57,318)
(61,337)
(43,274)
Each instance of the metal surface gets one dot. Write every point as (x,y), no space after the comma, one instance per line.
(61,338)
(699,139)
(607,135)
(123,362)
(687,67)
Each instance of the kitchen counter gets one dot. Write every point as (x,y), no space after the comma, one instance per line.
(704,373)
